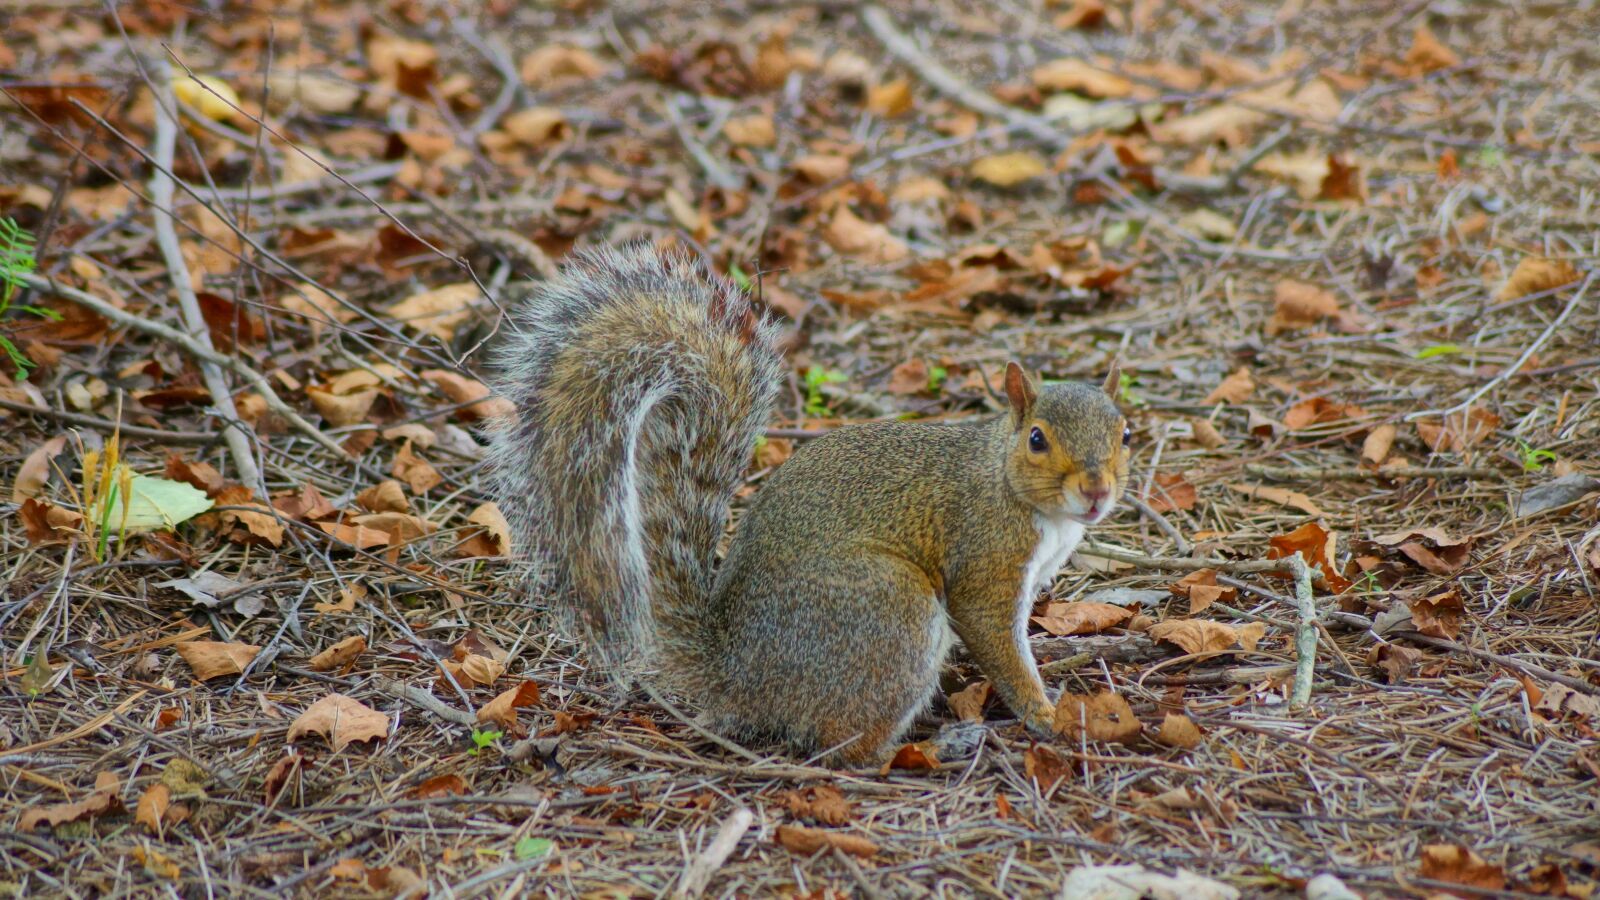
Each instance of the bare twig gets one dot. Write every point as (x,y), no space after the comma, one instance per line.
(699,872)
(1357,473)
(161,188)
(1305,639)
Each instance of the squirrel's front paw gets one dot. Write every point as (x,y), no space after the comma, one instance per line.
(1041,724)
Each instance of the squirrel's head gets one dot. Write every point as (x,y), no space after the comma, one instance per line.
(1069,446)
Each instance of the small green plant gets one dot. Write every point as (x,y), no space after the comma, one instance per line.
(482,740)
(1125,383)
(1430,352)
(1490,156)
(16,260)
(936,378)
(533,848)
(740,278)
(1533,458)
(816,377)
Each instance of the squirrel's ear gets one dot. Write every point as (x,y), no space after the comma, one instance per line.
(1113,385)
(1019,390)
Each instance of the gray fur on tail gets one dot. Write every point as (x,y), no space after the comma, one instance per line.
(641,383)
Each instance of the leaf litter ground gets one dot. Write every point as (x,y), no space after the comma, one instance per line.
(1332,245)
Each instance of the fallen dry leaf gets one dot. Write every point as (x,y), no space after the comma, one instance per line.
(806,841)
(1427,54)
(910,377)
(1081,617)
(153,805)
(1236,388)
(1438,615)
(449,785)
(1319,547)
(1009,169)
(1178,730)
(1458,865)
(1204,636)
(917,757)
(437,312)
(1046,768)
(870,242)
(1171,491)
(1280,496)
(1534,274)
(415,471)
(104,801)
(478,401)
(1459,431)
(1297,304)
(822,803)
(1431,548)
(756,130)
(34,472)
(1375,448)
(491,538)
(537,127)
(890,99)
(1201,587)
(341,720)
(1319,410)
(214,659)
(1394,661)
(968,702)
(556,64)
(385,496)
(821,168)
(502,710)
(474,669)
(1561,702)
(1103,716)
(339,655)
(1071,74)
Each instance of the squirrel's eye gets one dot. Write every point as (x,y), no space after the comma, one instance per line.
(1036,441)
(1127,435)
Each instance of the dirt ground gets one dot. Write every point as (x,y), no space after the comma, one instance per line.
(1344,252)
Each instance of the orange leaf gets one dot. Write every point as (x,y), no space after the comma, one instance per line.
(1081,617)
(341,720)
(214,659)
(806,841)
(1103,716)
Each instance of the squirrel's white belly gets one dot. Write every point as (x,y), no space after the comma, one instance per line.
(1057,539)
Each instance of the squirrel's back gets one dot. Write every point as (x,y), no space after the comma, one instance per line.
(640,382)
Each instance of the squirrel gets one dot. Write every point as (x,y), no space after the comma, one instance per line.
(641,384)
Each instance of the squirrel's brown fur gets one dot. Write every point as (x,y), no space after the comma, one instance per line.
(641,383)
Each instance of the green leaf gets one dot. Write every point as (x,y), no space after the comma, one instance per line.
(740,278)
(533,848)
(157,503)
(1118,232)
(1438,350)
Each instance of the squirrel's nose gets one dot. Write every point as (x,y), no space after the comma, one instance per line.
(1096,494)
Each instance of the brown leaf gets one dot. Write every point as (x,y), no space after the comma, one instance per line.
(1236,388)
(1171,491)
(968,702)
(459,388)
(1561,702)
(385,496)
(1534,274)
(917,757)
(278,777)
(822,803)
(492,537)
(305,505)
(1081,617)
(554,64)
(1458,865)
(1009,169)
(821,168)
(415,471)
(1297,304)
(1431,548)
(104,801)
(339,655)
(341,720)
(754,130)
(34,472)
(1178,730)
(1281,496)
(1071,74)
(910,377)
(537,127)
(890,99)
(48,523)
(1427,54)
(1046,768)
(437,312)
(870,242)
(1375,448)
(1394,661)
(1459,431)
(153,804)
(1201,587)
(450,785)
(1206,434)
(214,659)
(806,841)
(1103,716)
(502,710)
(1317,410)
(1439,615)
(1197,635)
(261,524)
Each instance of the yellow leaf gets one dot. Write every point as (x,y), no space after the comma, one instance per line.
(1009,169)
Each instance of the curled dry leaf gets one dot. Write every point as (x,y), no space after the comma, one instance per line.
(1561,702)
(415,471)
(47,523)
(1375,448)
(1319,410)
(890,99)
(918,757)
(1236,388)
(823,804)
(1431,548)
(105,800)
(1202,589)
(474,669)
(968,702)
(1438,615)
(1459,865)
(1428,54)
(1195,636)
(1103,716)
(1081,617)
(214,659)
(305,505)
(260,523)
(438,312)
(1397,663)
(538,126)
(502,710)
(555,64)
(339,655)
(1171,491)
(1318,546)
(153,805)
(821,168)
(1178,730)
(806,841)
(1534,274)
(1046,768)
(492,537)
(1070,74)
(1280,496)
(35,470)
(1459,431)
(1009,169)
(850,235)
(385,496)
(482,403)
(1297,304)
(450,785)
(341,720)
(756,130)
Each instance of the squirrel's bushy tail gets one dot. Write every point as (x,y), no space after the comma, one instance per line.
(641,383)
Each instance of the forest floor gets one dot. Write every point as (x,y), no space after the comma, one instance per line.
(1345,252)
